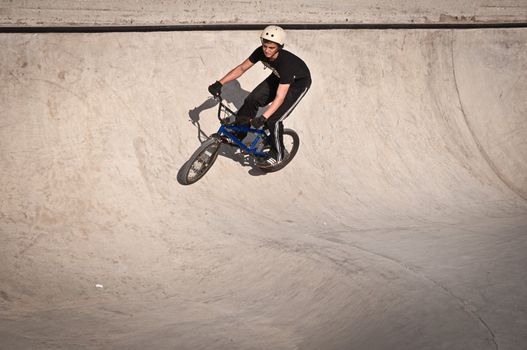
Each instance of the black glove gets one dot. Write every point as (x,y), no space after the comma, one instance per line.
(258,122)
(215,89)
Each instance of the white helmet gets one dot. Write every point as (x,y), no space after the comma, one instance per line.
(274,34)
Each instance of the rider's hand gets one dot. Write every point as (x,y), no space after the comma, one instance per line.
(258,122)
(215,89)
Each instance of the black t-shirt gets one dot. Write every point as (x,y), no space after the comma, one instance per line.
(287,66)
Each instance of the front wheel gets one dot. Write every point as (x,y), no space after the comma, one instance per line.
(291,144)
(200,162)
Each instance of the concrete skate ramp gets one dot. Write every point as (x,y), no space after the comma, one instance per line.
(400,224)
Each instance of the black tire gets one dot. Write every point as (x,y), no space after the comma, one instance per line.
(291,144)
(200,162)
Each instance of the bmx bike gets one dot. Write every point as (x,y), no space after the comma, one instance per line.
(204,157)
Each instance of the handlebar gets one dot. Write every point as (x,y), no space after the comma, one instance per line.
(221,106)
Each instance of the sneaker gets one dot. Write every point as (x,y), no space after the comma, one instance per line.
(266,162)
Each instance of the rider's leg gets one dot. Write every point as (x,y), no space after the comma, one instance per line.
(261,96)
(275,125)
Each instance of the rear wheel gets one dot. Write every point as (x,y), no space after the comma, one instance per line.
(291,144)
(200,162)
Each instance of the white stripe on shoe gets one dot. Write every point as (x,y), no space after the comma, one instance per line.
(267,163)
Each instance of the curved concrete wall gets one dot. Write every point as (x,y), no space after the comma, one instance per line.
(400,224)
(131,12)
(496,80)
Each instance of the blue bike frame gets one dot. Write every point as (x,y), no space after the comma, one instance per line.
(227,130)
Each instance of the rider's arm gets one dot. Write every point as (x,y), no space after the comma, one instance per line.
(278,100)
(236,72)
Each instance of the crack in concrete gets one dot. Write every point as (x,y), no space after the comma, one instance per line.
(465,304)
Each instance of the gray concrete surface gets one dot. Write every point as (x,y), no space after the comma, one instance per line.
(132,12)
(401,223)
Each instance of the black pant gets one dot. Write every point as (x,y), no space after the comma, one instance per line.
(264,94)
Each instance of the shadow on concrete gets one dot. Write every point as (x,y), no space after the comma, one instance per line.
(232,93)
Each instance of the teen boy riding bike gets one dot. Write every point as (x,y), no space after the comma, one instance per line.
(283,89)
